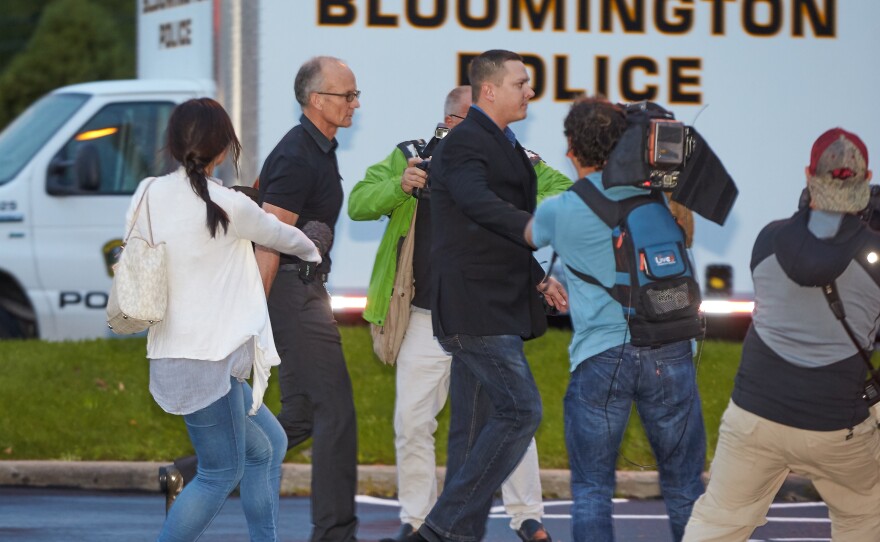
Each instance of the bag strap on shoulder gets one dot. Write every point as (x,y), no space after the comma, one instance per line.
(606,209)
(612,212)
(137,211)
(836,305)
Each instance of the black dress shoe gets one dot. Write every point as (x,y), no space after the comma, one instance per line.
(406,532)
(528,530)
(171,484)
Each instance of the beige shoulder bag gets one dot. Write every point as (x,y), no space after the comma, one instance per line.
(388,338)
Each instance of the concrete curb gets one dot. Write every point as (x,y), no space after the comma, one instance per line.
(376,480)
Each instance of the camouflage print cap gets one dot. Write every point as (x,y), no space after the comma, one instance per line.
(838,172)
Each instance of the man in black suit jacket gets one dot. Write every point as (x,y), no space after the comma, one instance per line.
(484,296)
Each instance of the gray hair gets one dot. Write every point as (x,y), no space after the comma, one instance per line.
(310,78)
(489,67)
(455,98)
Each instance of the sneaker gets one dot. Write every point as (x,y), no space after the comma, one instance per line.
(171,484)
(530,531)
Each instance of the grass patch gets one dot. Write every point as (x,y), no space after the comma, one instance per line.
(89,400)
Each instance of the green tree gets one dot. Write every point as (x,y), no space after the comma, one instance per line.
(18,19)
(75,41)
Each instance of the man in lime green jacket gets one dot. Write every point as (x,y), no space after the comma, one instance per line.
(396,187)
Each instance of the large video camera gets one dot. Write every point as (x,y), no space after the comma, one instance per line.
(667,143)
(424,151)
(659,153)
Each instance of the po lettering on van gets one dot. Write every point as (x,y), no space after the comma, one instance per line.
(89,300)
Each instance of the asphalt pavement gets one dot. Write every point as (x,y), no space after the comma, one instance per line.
(43,501)
(55,515)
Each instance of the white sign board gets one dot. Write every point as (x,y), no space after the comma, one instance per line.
(771,74)
(175,39)
(759,79)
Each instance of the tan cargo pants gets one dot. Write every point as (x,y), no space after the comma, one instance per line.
(753,457)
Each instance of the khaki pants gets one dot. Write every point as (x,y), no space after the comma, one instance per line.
(753,457)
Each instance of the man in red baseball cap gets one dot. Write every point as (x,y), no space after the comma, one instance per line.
(838,173)
(797,404)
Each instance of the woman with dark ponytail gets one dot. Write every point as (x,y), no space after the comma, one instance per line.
(216,331)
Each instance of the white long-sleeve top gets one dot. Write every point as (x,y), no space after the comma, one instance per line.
(216,300)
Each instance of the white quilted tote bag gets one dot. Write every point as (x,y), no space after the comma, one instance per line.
(139,295)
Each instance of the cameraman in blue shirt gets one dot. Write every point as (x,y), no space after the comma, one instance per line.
(608,373)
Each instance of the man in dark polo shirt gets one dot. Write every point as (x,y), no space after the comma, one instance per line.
(300,183)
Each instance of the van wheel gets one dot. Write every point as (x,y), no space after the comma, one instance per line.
(10,328)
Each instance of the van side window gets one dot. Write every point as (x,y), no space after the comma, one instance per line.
(112,152)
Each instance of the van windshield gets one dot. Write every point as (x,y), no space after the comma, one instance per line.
(27,134)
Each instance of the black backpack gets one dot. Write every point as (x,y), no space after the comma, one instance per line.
(655,280)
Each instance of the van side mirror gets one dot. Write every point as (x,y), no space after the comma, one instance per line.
(86,168)
(56,182)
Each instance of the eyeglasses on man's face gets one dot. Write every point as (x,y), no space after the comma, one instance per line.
(459,117)
(349,96)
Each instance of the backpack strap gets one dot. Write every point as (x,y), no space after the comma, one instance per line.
(586,278)
(621,293)
(612,212)
(606,209)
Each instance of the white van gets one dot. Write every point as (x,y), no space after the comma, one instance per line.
(68,167)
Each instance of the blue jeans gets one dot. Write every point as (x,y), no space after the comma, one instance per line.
(495,411)
(232,448)
(662,382)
